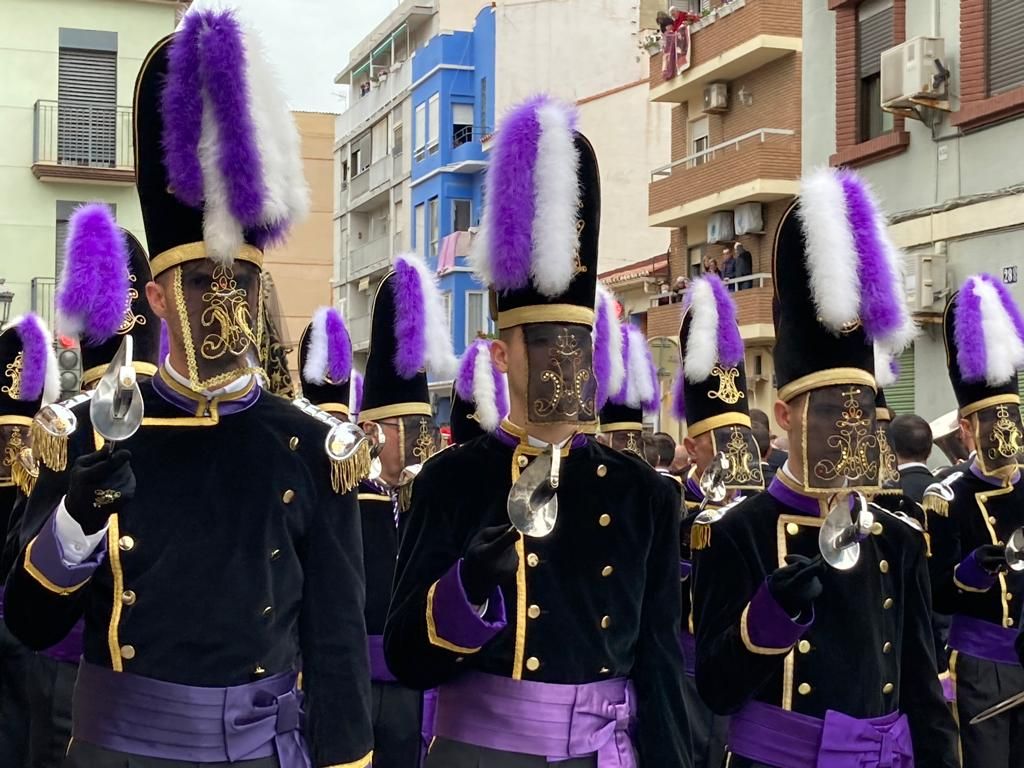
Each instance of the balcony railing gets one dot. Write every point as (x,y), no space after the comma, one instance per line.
(699,158)
(364,107)
(371,178)
(43,289)
(369,258)
(359,331)
(466,134)
(80,141)
(753,298)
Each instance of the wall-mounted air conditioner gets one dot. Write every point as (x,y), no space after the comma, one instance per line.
(914,73)
(926,279)
(716,97)
(748,218)
(720,227)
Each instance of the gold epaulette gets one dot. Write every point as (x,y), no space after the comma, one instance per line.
(405,496)
(25,471)
(50,442)
(932,502)
(347,473)
(700,536)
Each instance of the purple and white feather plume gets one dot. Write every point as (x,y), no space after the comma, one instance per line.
(989,332)
(481,383)
(40,378)
(609,365)
(640,387)
(355,394)
(713,337)
(528,227)
(887,368)
(423,339)
(329,355)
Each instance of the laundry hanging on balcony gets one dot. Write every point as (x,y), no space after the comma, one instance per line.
(675,47)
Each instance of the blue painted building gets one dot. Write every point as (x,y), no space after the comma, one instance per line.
(453,110)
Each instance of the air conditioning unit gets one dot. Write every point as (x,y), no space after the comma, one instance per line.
(716,97)
(926,279)
(914,72)
(748,218)
(720,229)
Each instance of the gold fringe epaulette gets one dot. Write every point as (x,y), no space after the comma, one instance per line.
(347,473)
(934,503)
(405,496)
(48,448)
(700,537)
(25,471)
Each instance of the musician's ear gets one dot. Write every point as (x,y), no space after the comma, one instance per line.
(157,299)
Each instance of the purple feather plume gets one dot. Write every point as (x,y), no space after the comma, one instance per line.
(181,106)
(94,283)
(36,347)
(410,333)
(730,343)
(602,353)
(1009,305)
(339,348)
(651,402)
(165,342)
(678,396)
(969,334)
(222,58)
(879,303)
(357,392)
(467,366)
(510,195)
(620,397)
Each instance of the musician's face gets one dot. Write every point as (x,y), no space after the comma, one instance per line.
(701,451)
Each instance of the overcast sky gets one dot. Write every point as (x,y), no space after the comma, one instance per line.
(309,42)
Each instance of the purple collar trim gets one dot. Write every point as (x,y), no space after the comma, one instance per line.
(512,440)
(694,487)
(805,505)
(976,471)
(191,403)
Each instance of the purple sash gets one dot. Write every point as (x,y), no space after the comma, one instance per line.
(774,736)
(379,671)
(141,716)
(982,639)
(524,717)
(689,644)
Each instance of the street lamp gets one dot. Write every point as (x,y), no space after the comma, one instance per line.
(6,297)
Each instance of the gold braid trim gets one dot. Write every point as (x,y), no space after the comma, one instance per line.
(347,473)
(22,473)
(700,537)
(935,503)
(52,450)
(405,497)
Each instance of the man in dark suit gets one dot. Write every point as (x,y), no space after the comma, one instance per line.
(912,441)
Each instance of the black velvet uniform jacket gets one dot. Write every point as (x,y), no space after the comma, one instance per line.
(598,598)
(235,560)
(869,650)
(380,551)
(980,513)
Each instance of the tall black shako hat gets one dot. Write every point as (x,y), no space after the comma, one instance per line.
(984,335)
(537,245)
(409,337)
(325,362)
(639,392)
(838,287)
(217,159)
(101,295)
(479,394)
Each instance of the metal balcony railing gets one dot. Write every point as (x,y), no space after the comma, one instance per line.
(364,106)
(709,154)
(370,257)
(43,289)
(82,135)
(465,134)
(756,280)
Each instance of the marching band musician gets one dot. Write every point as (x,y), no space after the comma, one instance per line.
(204,579)
(543,649)
(818,666)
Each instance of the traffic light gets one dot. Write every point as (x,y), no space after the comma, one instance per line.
(69,366)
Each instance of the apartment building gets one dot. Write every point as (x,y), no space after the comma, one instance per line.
(66,128)
(735,164)
(926,100)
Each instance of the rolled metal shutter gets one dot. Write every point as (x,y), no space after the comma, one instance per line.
(87,107)
(875,33)
(1005,45)
(900,396)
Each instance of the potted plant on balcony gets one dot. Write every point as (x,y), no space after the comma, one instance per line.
(650,41)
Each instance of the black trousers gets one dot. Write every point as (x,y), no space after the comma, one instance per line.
(708,731)
(14,659)
(455,754)
(82,755)
(999,741)
(50,687)
(397,715)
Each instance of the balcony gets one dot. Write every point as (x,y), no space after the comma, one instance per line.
(372,257)
(762,166)
(364,108)
(753,310)
(735,38)
(73,143)
(43,289)
(369,188)
(359,332)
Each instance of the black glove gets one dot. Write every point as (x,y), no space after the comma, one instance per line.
(796,585)
(991,557)
(100,484)
(490,560)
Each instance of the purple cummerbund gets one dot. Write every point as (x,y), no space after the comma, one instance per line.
(151,718)
(982,639)
(70,648)
(379,671)
(689,644)
(427,724)
(549,720)
(775,736)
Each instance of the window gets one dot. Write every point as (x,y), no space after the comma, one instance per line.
(399,220)
(360,158)
(446,307)
(435,229)
(462,211)
(420,228)
(344,175)
(1005,52)
(476,315)
(462,124)
(875,33)
(87,98)
(699,140)
(483,104)
(379,140)
(420,130)
(433,123)
(396,140)
(696,261)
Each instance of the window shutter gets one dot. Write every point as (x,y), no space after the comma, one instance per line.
(900,396)
(1005,52)
(875,33)
(87,107)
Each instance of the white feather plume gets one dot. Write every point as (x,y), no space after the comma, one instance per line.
(440,356)
(315,368)
(884,374)
(1004,350)
(831,253)
(485,395)
(702,339)
(557,200)
(221,231)
(617,366)
(640,388)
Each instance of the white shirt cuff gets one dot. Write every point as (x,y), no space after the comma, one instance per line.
(75,545)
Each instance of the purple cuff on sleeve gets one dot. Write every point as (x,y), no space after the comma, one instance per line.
(766,628)
(44,560)
(971,576)
(453,623)
(685,569)
(948,687)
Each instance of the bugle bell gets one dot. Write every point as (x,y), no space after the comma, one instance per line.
(843,531)
(116,408)
(533,501)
